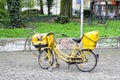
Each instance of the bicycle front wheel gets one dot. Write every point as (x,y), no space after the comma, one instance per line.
(90,60)
(45,58)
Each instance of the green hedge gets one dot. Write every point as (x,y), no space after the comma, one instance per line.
(36,18)
(33,15)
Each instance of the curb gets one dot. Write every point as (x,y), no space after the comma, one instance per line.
(18,44)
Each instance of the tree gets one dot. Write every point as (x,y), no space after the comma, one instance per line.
(66,8)
(49,5)
(28,3)
(3,14)
(14,12)
(2,4)
(40,3)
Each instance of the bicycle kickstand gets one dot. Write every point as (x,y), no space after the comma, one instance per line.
(68,66)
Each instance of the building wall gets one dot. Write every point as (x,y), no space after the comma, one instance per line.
(111,10)
(77,6)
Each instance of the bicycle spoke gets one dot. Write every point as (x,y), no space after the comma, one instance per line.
(45,59)
(89,61)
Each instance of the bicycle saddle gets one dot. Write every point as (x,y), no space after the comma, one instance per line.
(78,40)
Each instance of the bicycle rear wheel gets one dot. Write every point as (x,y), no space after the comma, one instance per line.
(90,63)
(45,58)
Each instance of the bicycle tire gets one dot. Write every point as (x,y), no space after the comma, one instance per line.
(91,61)
(44,61)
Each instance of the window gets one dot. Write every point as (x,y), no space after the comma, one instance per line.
(111,11)
(119,8)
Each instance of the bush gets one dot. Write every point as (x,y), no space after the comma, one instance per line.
(29,15)
(30,12)
(62,19)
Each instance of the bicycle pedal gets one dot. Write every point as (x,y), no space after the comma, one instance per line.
(57,65)
(97,55)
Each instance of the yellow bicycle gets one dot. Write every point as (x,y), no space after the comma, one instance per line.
(82,56)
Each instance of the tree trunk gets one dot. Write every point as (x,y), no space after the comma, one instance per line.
(49,5)
(14,12)
(66,8)
(41,7)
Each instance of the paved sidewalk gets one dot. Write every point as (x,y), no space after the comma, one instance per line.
(24,66)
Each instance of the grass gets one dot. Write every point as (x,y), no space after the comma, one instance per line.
(69,29)
(14,33)
(72,29)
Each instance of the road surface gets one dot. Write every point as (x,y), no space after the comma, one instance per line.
(24,66)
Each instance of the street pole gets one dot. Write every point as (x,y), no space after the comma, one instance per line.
(81,20)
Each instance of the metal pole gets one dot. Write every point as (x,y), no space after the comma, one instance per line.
(81,20)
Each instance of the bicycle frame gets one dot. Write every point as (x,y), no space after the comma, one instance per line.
(64,56)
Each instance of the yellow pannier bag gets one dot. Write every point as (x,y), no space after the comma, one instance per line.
(50,40)
(90,39)
(43,40)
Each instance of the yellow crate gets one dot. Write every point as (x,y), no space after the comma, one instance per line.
(90,39)
(43,39)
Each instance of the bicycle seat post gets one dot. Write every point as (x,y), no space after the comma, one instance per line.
(76,44)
